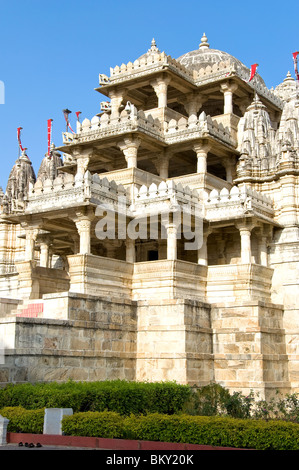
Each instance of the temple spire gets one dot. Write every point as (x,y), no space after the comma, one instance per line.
(204,42)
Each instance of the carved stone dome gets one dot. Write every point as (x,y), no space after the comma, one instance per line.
(204,56)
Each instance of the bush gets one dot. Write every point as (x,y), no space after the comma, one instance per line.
(119,396)
(94,424)
(21,420)
(204,430)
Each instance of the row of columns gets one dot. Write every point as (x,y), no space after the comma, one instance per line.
(192,101)
(83,225)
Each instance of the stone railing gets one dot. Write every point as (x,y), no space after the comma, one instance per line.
(164,198)
(70,191)
(239,201)
(193,127)
(176,130)
(226,69)
(139,66)
(104,126)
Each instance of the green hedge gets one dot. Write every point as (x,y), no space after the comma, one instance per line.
(205,430)
(21,420)
(119,396)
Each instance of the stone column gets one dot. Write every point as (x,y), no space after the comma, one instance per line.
(160,85)
(229,165)
(228,89)
(82,158)
(245,234)
(44,252)
(83,224)
(129,148)
(263,251)
(116,99)
(130,251)
(31,235)
(171,241)
(201,150)
(193,102)
(202,252)
(163,165)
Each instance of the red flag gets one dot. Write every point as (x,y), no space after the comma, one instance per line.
(295,64)
(78,114)
(66,113)
(253,69)
(19,138)
(49,136)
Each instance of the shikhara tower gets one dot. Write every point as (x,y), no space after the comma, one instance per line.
(192,135)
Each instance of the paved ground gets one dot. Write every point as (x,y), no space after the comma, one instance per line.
(44,447)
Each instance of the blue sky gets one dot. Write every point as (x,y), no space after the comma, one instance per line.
(52,52)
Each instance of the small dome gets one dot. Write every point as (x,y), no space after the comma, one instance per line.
(204,56)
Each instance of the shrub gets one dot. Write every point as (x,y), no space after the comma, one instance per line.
(119,396)
(21,420)
(204,430)
(94,424)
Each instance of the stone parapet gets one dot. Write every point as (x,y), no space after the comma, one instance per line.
(68,190)
(235,282)
(166,279)
(237,202)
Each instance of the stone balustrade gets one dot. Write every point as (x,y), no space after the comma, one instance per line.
(226,69)
(67,191)
(236,202)
(144,63)
(197,127)
(173,131)
(104,126)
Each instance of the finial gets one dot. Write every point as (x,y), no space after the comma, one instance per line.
(204,42)
(153,48)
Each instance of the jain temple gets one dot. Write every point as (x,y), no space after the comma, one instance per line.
(160,240)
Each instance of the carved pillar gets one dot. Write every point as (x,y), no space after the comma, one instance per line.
(45,242)
(229,164)
(129,148)
(228,89)
(116,99)
(31,235)
(171,229)
(263,250)
(202,252)
(245,234)
(163,164)
(130,250)
(83,224)
(82,158)
(192,104)
(160,85)
(201,150)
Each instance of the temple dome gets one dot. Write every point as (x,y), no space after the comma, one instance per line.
(204,56)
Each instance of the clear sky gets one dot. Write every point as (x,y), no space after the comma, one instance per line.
(52,53)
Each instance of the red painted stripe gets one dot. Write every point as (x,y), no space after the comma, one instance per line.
(102,443)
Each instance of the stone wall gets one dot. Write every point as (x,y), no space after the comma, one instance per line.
(174,341)
(249,347)
(96,342)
